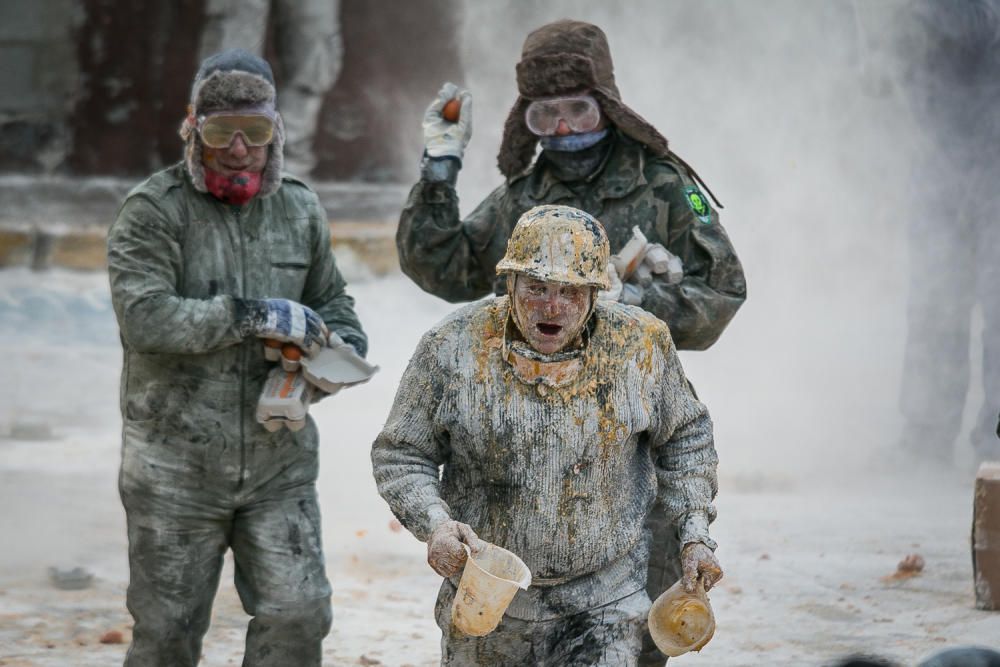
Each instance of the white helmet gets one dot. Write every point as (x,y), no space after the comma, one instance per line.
(560,244)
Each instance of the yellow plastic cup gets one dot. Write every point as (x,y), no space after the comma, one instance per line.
(489,582)
(680,622)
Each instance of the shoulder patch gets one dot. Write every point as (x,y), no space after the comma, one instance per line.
(698,204)
(157,185)
(288,178)
(299,199)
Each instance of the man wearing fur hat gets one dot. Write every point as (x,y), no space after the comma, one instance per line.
(206,258)
(597,155)
(556,420)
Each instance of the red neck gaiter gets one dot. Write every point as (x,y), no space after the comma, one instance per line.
(237,189)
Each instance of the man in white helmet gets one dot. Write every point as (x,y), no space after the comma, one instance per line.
(598,155)
(558,420)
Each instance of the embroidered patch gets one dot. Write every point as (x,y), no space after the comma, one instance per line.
(699,206)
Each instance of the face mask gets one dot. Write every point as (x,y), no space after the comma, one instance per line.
(237,189)
(573,166)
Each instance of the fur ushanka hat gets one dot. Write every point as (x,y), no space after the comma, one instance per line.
(233,80)
(567,58)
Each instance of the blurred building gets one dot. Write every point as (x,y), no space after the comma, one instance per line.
(99,87)
(94,91)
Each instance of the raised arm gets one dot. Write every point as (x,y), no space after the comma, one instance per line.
(438,250)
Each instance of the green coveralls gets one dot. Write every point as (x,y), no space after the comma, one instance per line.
(199,474)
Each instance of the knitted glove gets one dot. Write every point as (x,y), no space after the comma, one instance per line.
(284,320)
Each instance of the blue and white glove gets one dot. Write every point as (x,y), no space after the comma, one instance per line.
(284,320)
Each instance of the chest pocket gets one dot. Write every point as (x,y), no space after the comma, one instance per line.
(289,256)
(289,267)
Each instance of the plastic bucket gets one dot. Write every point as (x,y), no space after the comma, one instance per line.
(488,584)
(680,622)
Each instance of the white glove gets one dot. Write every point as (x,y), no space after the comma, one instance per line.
(443,138)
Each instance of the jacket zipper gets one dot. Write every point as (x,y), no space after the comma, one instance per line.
(243,357)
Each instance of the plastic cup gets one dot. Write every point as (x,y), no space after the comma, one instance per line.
(680,622)
(488,584)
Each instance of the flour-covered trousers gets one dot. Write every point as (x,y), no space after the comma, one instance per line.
(608,636)
(183,512)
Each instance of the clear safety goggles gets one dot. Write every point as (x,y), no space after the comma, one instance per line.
(219,130)
(581,113)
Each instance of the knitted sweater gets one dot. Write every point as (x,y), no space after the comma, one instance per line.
(563,477)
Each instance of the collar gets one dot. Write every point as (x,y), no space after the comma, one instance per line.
(621,173)
(554,374)
(543,370)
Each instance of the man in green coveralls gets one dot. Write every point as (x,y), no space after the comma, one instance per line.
(206,258)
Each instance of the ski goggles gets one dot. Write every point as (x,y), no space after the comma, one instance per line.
(219,130)
(581,113)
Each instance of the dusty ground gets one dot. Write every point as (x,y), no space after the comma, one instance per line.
(805,551)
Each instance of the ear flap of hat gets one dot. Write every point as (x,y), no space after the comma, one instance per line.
(193,152)
(632,124)
(639,129)
(271,179)
(517,148)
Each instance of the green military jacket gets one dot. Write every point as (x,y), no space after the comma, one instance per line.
(456,259)
(177,258)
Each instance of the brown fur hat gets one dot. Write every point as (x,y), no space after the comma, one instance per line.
(564,58)
(233,80)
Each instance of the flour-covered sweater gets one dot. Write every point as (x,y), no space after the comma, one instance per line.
(563,477)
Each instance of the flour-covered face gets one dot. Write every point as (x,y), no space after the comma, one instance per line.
(550,315)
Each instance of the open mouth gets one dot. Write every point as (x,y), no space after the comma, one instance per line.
(548,329)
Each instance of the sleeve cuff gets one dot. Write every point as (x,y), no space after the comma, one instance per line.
(440,169)
(693,527)
(434,515)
